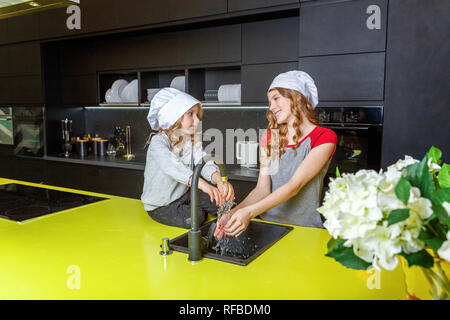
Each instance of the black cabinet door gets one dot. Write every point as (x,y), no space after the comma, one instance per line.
(3,32)
(347,77)
(99,15)
(24,59)
(4,61)
(270,41)
(77,58)
(53,23)
(237,5)
(141,12)
(182,9)
(341,28)
(257,78)
(114,54)
(213,45)
(79,89)
(26,89)
(23,28)
(5,91)
(161,50)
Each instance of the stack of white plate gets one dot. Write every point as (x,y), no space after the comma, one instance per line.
(179,83)
(229,93)
(130,93)
(151,93)
(113,95)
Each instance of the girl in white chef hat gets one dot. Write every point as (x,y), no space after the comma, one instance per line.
(174,115)
(295,156)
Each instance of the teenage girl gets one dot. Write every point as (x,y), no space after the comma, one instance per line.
(294,158)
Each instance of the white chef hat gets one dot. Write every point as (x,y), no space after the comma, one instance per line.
(167,106)
(299,81)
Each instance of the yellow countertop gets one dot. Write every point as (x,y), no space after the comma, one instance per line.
(110,250)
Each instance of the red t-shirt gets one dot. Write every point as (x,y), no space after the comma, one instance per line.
(318,136)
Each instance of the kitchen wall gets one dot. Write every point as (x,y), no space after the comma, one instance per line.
(42,62)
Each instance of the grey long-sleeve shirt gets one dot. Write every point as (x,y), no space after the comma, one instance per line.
(166,174)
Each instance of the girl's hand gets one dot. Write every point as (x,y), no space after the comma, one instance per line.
(238,222)
(213,192)
(225,188)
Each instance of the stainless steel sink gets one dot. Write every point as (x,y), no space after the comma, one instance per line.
(258,237)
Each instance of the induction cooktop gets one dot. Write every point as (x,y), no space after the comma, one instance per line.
(20,202)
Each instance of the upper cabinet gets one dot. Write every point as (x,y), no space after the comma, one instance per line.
(53,23)
(213,45)
(23,28)
(4,61)
(182,9)
(343,27)
(270,41)
(237,5)
(24,59)
(141,12)
(161,50)
(3,31)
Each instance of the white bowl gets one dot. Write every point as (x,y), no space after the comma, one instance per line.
(179,83)
(130,92)
(108,96)
(115,89)
(151,93)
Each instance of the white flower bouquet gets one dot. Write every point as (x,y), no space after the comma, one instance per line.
(374,217)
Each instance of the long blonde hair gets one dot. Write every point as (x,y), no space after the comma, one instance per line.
(300,106)
(175,139)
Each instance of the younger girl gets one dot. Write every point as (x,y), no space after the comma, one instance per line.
(168,170)
(295,155)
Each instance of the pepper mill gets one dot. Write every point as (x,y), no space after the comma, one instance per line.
(128,155)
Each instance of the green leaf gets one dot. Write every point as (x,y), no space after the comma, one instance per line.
(437,199)
(346,256)
(338,174)
(331,244)
(421,258)
(433,216)
(430,239)
(402,190)
(419,176)
(397,215)
(435,154)
(444,176)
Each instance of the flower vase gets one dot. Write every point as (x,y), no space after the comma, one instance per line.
(427,283)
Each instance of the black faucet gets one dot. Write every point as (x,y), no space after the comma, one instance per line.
(197,243)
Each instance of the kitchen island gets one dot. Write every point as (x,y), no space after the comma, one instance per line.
(110,250)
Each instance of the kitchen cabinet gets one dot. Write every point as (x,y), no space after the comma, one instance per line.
(3,31)
(270,41)
(99,15)
(181,9)
(117,53)
(257,78)
(79,89)
(53,23)
(347,77)
(24,59)
(213,45)
(23,28)
(78,58)
(5,92)
(337,28)
(237,5)
(161,50)
(26,89)
(4,61)
(142,12)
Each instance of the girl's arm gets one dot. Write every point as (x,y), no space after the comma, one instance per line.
(307,170)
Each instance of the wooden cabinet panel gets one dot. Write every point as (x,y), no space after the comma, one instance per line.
(160,50)
(5,90)
(213,45)
(341,27)
(4,61)
(347,77)
(99,15)
(79,89)
(53,23)
(257,78)
(114,54)
(24,59)
(26,89)
(77,58)
(141,12)
(237,5)
(270,41)
(3,31)
(23,28)
(181,9)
